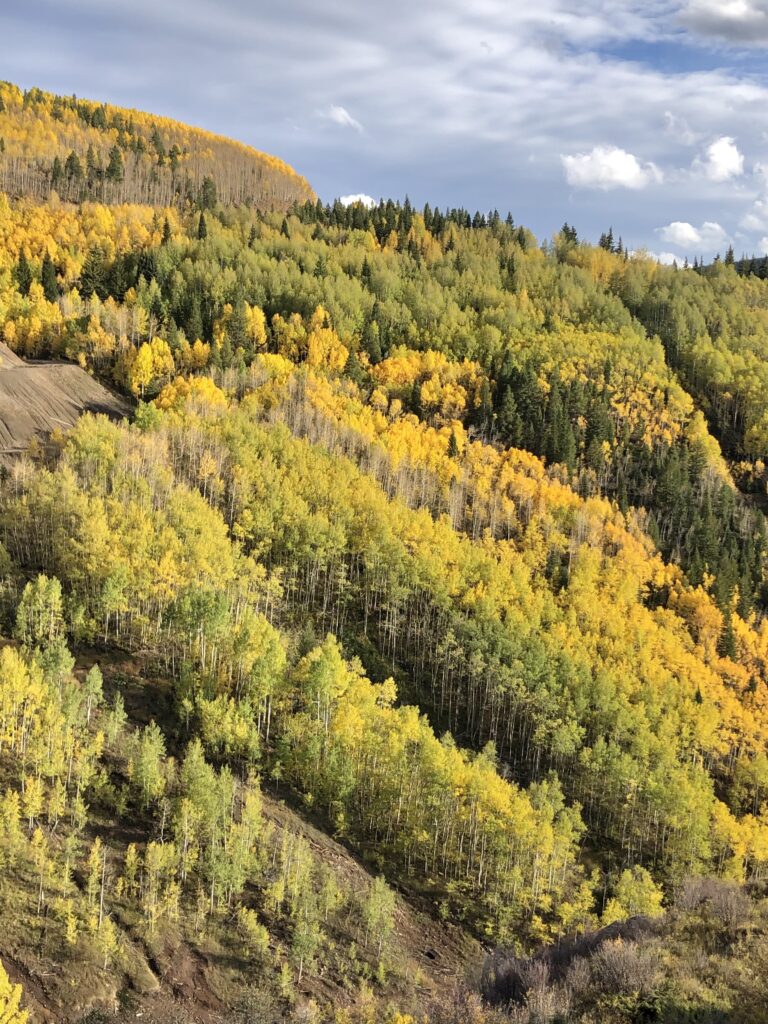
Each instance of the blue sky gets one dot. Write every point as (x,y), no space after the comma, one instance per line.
(651,117)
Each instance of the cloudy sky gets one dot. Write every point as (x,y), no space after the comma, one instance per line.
(650,116)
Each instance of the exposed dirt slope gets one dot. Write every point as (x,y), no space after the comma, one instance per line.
(38,398)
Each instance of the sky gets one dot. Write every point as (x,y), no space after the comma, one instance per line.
(647,116)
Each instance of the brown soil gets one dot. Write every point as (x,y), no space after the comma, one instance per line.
(38,398)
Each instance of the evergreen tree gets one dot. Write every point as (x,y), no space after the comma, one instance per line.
(57,172)
(194,321)
(606,240)
(371,342)
(48,279)
(202,227)
(73,168)
(93,274)
(237,325)
(115,169)
(508,421)
(207,197)
(23,274)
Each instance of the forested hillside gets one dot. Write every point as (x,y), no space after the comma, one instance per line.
(452,540)
(77,149)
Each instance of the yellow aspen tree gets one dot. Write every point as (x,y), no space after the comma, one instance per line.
(10,1001)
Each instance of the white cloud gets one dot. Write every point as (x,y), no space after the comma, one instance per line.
(734,21)
(358,197)
(451,122)
(340,115)
(722,160)
(667,258)
(684,235)
(757,218)
(678,128)
(762,245)
(607,167)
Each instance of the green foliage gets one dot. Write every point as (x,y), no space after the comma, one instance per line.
(39,615)
(443,544)
(48,279)
(635,893)
(379,913)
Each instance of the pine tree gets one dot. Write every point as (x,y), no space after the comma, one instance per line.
(115,169)
(73,168)
(194,321)
(371,342)
(202,227)
(207,197)
(93,274)
(48,279)
(606,240)
(237,325)
(57,172)
(23,274)
(508,420)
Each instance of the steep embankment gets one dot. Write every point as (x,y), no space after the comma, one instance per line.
(36,399)
(81,149)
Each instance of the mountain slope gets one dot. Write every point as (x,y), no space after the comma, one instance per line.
(180,971)
(80,149)
(419,527)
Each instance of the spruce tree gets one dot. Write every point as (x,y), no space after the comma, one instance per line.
(93,273)
(73,168)
(606,240)
(48,279)
(202,227)
(194,322)
(510,425)
(371,342)
(207,196)
(57,172)
(237,325)
(23,274)
(115,169)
